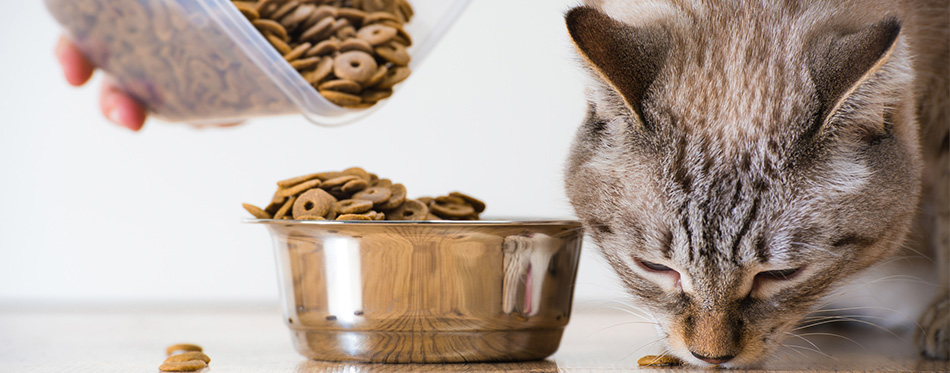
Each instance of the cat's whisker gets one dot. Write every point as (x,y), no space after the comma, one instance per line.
(648,344)
(838,336)
(828,317)
(812,350)
(619,324)
(628,308)
(899,278)
(644,317)
(792,349)
(844,318)
(833,319)
(802,338)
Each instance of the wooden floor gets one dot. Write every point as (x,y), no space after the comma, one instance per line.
(247,338)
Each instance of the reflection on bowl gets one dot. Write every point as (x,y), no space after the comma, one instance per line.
(424,292)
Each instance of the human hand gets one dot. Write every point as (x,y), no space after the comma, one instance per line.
(115,104)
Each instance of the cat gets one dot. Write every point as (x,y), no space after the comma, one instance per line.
(741,159)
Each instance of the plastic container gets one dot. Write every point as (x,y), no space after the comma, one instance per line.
(201,61)
(426,291)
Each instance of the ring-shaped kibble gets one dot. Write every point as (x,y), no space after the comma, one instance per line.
(339,24)
(183,366)
(278,44)
(354,44)
(374,17)
(270,26)
(315,202)
(338,181)
(397,198)
(182,347)
(297,17)
(341,85)
(394,76)
(305,63)
(385,183)
(405,9)
(190,355)
(285,208)
(373,96)
(353,217)
(257,212)
(284,10)
(323,69)
(341,98)
(299,188)
(394,52)
(451,210)
(354,186)
(376,34)
(449,200)
(379,5)
(297,52)
(318,31)
(354,65)
(409,210)
(249,11)
(374,194)
(377,77)
(353,206)
(359,172)
(355,16)
(324,47)
(476,203)
(275,203)
(346,33)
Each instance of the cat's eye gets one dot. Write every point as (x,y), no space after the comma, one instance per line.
(778,274)
(654,266)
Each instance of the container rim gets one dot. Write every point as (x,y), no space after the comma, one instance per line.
(492,222)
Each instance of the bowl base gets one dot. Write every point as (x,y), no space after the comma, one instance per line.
(427,347)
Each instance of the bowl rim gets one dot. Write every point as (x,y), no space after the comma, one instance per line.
(492,222)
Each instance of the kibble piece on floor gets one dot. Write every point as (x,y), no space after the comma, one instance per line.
(187,356)
(183,366)
(654,360)
(182,347)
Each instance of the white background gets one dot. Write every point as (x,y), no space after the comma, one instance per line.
(90,212)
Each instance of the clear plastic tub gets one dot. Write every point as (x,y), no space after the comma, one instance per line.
(201,61)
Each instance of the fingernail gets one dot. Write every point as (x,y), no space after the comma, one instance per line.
(115,115)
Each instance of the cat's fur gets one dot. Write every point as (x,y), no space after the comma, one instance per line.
(725,139)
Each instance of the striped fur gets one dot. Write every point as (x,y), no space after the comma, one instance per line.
(744,152)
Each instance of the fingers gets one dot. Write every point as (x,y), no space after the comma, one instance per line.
(121,108)
(76,67)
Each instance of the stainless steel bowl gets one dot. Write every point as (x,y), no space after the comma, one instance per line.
(426,292)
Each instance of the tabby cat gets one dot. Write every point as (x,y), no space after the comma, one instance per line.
(741,159)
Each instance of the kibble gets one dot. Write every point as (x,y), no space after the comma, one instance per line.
(654,360)
(184,357)
(355,194)
(364,41)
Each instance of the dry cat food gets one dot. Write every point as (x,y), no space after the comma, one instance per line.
(172,57)
(354,194)
(184,357)
(654,360)
(352,51)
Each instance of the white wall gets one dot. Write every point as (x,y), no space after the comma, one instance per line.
(93,212)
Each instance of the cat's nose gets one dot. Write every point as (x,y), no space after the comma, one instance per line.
(713,360)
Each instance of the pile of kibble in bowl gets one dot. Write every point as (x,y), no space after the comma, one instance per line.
(352,51)
(354,194)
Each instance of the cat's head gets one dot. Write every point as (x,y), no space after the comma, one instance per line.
(736,164)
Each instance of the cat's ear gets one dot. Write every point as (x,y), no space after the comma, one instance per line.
(627,58)
(840,63)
